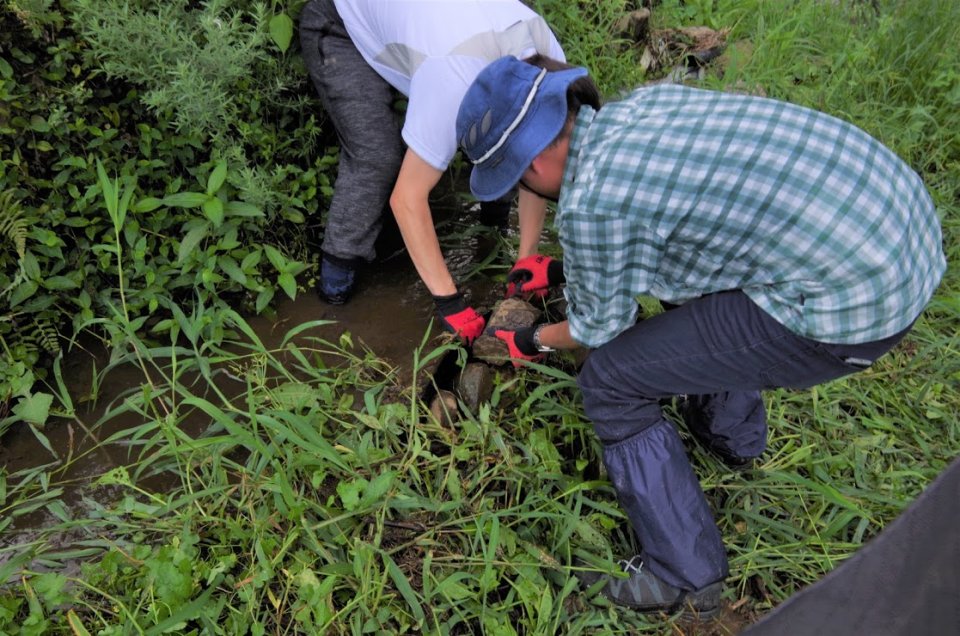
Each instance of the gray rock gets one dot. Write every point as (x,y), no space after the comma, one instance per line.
(511,313)
(444,407)
(475,386)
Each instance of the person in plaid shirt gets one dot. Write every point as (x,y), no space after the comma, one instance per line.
(790,247)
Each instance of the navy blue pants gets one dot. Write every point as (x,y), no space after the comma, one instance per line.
(722,346)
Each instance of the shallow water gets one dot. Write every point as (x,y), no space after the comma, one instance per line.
(389,315)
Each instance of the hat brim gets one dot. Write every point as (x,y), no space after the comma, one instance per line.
(539,127)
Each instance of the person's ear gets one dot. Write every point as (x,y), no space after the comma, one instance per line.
(538,164)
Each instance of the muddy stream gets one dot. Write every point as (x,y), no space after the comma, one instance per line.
(390,315)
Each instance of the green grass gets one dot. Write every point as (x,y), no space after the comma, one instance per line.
(314,493)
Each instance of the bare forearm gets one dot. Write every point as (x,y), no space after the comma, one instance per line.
(531,212)
(411,208)
(420,238)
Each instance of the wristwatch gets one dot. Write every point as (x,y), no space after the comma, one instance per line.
(536,341)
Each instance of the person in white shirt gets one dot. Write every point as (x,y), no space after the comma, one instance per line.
(358,53)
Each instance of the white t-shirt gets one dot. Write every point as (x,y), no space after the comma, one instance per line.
(431,51)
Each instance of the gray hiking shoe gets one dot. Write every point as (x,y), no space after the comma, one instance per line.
(646,592)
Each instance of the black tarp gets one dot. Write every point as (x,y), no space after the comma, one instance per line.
(904,582)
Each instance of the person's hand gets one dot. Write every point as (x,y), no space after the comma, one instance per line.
(520,344)
(457,317)
(534,275)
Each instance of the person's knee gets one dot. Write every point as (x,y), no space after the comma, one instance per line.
(616,411)
(596,381)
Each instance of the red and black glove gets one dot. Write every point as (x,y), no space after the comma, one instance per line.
(521,345)
(535,275)
(458,318)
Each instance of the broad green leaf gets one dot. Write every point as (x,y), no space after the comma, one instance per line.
(58,283)
(50,587)
(23,291)
(251,260)
(213,209)
(546,607)
(30,265)
(275,257)
(229,265)
(118,476)
(547,452)
(349,492)
(217,177)
(239,208)
(377,489)
(148,204)
(39,124)
(263,299)
(589,534)
(451,587)
(34,408)
(185,199)
(288,283)
(370,400)
(191,241)
(281,30)
(294,396)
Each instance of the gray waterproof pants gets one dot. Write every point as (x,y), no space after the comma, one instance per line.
(359,103)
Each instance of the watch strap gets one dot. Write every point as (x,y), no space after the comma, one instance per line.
(536,341)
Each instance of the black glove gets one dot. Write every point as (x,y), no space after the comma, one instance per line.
(535,275)
(520,344)
(459,318)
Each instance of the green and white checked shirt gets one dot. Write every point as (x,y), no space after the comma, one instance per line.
(678,192)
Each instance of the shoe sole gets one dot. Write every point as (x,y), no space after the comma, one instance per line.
(593,583)
(687,613)
(690,615)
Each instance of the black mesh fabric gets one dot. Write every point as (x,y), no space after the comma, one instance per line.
(904,582)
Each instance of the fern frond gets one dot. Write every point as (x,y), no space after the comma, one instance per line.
(46,335)
(13,225)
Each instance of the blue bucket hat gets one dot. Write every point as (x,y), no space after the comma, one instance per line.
(511,112)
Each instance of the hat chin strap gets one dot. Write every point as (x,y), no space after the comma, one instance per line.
(516,121)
